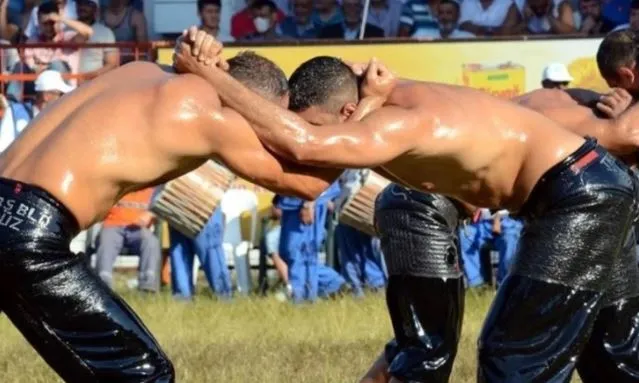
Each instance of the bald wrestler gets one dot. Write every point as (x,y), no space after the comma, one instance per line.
(579,201)
(134,127)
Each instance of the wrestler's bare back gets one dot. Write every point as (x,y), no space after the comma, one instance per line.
(134,127)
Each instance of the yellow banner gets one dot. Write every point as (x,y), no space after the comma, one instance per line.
(505,68)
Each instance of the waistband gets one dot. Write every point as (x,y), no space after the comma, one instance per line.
(26,207)
(565,177)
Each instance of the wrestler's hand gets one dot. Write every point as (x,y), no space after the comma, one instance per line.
(196,50)
(615,102)
(378,80)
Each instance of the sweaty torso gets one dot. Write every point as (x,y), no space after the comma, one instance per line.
(475,147)
(131,128)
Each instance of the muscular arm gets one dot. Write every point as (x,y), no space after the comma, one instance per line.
(238,147)
(378,138)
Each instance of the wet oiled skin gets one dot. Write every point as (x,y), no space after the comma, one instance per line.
(469,145)
(134,127)
(127,129)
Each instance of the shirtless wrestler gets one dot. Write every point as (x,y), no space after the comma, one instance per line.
(579,201)
(134,127)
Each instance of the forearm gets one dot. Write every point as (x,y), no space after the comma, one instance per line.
(366,106)
(78,26)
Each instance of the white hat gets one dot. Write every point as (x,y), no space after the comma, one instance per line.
(51,80)
(556,72)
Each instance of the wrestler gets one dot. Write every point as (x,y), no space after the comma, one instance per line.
(134,127)
(579,201)
(423,225)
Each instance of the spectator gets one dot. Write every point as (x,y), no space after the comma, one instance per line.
(349,29)
(9,34)
(548,17)
(209,12)
(243,24)
(265,21)
(327,12)
(299,24)
(61,59)
(301,236)
(385,14)
(416,15)
(49,86)
(96,61)
(15,15)
(128,224)
(208,247)
(615,13)
(488,17)
(555,76)
(65,8)
(127,23)
(589,17)
(448,24)
(272,243)
(634,18)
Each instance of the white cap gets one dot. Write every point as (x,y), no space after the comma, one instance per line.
(556,72)
(51,80)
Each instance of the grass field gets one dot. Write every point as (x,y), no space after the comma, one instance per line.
(259,339)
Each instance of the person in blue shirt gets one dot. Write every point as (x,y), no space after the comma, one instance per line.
(299,25)
(302,234)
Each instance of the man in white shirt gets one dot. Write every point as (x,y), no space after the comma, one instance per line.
(448,19)
(96,61)
(488,17)
(49,86)
(555,76)
(68,9)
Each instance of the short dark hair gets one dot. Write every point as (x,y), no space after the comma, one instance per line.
(323,81)
(203,3)
(618,48)
(451,2)
(257,4)
(47,7)
(259,74)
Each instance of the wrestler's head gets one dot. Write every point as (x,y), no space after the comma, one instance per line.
(618,57)
(260,75)
(324,90)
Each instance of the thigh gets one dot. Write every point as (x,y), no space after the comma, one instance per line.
(82,329)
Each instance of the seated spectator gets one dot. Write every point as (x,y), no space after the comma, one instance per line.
(418,15)
(548,17)
(448,24)
(63,60)
(49,86)
(209,12)
(327,12)
(385,14)
(243,24)
(15,16)
(127,23)
(299,24)
(588,20)
(349,29)
(128,223)
(65,8)
(555,76)
(265,21)
(615,13)
(488,17)
(634,18)
(96,61)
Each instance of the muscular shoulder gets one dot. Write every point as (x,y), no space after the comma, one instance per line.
(542,98)
(192,89)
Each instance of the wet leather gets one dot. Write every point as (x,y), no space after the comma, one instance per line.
(425,292)
(587,98)
(577,223)
(81,328)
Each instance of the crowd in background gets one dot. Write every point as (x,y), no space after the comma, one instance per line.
(295,238)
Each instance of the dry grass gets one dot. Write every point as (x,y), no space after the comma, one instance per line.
(259,340)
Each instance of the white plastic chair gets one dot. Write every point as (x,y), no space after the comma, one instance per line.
(233,204)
